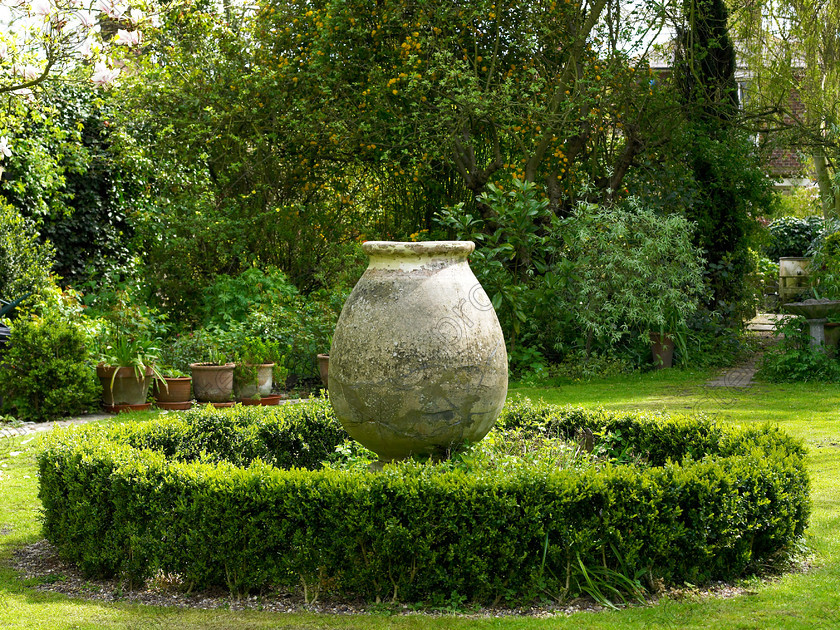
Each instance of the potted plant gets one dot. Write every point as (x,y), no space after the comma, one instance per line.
(253,377)
(125,370)
(212,371)
(174,390)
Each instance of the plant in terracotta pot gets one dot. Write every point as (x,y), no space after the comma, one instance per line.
(174,390)
(671,335)
(636,270)
(126,367)
(258,362)
(211,366)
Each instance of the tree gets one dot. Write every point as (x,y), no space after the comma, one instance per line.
(45,39)
(436,90)
(730,186)
(792,48)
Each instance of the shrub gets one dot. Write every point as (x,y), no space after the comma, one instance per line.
(791,236)
(45,371)
(261,307)
(825,267)
(596,278)
(634,267)
(24,262)
(198,497)
(793,359)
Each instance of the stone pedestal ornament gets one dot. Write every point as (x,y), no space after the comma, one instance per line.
(418,361)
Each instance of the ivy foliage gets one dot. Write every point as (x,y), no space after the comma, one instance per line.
(62,175)
(792,236)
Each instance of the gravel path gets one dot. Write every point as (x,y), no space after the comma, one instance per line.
(39,427)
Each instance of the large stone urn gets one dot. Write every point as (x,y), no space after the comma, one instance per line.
(418,361)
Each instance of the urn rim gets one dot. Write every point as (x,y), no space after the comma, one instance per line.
(408,249)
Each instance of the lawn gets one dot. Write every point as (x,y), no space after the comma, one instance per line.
(808,599)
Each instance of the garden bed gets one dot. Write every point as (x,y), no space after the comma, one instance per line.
(240,498)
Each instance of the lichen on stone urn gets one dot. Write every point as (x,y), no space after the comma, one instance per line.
(418,362)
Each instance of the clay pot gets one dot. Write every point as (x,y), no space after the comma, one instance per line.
(178,389)
(124,387)
(418,361)
(174,406)
(264,400)
(662,350)
(249,387)
(324,368)
(212,382)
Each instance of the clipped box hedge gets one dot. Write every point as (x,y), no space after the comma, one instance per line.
(238,498)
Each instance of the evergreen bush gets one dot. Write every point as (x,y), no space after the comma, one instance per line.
(200,497)
(792,236)
(45,371)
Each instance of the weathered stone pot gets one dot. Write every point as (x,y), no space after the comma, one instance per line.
(212,382)
(251,379)
(418,361)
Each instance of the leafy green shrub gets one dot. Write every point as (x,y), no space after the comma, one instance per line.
(672,499)
(233,298)
(577,366)
(634,267)
(25,263)
(201,346)
(794,360)
(519,263)
(594,279)
(825,266)
(791,236)
(261,308)
(45,371)
(303,327)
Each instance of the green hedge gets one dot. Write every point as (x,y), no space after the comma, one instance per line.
(197,497)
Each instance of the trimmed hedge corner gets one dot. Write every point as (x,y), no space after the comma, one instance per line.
(238,498)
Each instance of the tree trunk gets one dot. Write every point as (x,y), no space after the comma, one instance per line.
(828,197)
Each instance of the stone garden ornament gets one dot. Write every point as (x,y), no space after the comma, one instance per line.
(418,361)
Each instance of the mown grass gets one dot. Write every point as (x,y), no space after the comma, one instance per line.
(807,599)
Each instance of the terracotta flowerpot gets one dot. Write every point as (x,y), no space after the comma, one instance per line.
(124,387)
(211,382)
(662,350)
(418,362)
(324,368)
(249,387)
(177,390)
